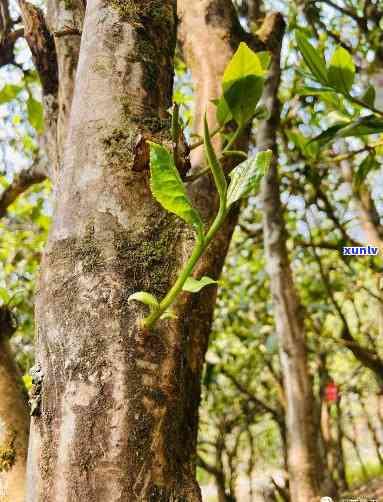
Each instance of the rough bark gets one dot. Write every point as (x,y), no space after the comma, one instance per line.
(114,422)
(14,420)
(55,45)
(326,441)
(8,35)
(119,407)
(65,21)
(301,438)
(209,34)
(41,44)
(341,461)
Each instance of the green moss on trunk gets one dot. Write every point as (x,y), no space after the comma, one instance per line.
(8,453)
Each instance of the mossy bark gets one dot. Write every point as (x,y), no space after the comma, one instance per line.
(119,407)
(117,418)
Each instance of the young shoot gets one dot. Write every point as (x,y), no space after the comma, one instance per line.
(242,87)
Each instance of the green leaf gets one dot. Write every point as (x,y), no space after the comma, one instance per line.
(35,114)
(168,314)
(242,84)
(242,98)
(365,167)
(194,285)
(223,112)
(362,127)
(329,134)
(261,113)
(308,90)
(312,58)
(27,379)
(214,164)
(341,72)
(328,95)
(28,144)
(146,298)
(244,63)
(369,96)
(265,59)
(247,176)
(167,186)
(235,153)
(307,147)
(9,92)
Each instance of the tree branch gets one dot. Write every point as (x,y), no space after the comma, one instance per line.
(24,180)
(362,23)
(8,37)
(366,357)
(255,400)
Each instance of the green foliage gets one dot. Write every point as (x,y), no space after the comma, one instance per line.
(35,114)
(362,127)
(214,164)
(9,92)
(340,76)
(242,98)
(312,58)
(247,176)
(22,237)
(242,85)
(146,299)
(369,96)
(169,191)
(245,63)
(167,186)
(341,71)
(224,114)
(195,285)
(365,167)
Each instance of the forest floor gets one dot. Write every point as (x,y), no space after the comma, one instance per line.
(369,492)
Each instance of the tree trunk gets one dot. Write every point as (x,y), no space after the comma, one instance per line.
(341,460)
(301,438)
(114,422)
(14,425)
(209,34)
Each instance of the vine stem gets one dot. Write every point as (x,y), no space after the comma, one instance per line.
(202,243)
(200,247)
(226,151)
(200,142)
(232,140)
(177,287)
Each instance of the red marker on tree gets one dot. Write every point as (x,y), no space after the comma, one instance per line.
(331,392)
